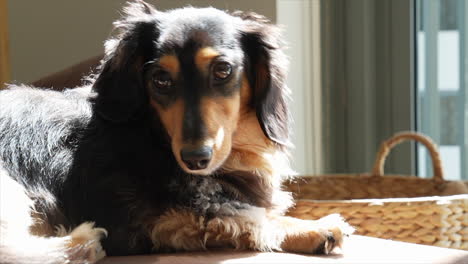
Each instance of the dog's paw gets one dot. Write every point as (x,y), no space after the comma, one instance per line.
(337,229)
(318,237)
(84,243)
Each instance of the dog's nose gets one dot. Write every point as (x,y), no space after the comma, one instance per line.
(196,159)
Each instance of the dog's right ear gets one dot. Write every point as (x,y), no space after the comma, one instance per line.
(120,84)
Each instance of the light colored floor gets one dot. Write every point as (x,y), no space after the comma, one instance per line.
(357,249)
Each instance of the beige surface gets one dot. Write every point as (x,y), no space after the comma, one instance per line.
(358,249)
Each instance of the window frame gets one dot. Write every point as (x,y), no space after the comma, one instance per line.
(431,19)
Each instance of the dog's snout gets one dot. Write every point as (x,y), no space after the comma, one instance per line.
(196,159)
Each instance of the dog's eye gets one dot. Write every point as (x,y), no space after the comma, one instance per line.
(162,80)
(222,70)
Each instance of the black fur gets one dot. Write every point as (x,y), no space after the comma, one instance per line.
(120,83)
(100,152)
(267,64)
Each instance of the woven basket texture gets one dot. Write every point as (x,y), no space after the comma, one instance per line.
(400,207)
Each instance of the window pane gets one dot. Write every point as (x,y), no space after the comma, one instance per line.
(441,84)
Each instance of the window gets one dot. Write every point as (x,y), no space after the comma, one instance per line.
(442,111)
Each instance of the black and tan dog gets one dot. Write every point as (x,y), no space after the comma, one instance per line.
(179,142)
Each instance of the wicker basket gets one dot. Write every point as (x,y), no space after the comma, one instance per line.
(406,208)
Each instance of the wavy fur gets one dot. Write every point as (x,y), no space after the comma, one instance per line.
(106,153)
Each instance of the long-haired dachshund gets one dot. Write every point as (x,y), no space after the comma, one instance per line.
(178,143)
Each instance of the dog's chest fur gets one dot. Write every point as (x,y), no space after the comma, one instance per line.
(206,196)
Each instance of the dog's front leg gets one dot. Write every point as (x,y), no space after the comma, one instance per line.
(307,236)
(253,228)
(177,230)
(257,229)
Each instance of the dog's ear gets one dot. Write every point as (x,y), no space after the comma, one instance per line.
(120,83)
(266,64)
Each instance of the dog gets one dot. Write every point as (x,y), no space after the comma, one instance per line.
(179,142)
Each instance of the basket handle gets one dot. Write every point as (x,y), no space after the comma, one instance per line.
(396,139)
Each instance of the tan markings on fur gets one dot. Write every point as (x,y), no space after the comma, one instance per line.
(183,230)
(231,231)
(220,115)
(179,230)
(305,236)
(171,64)
(252,228)
(251,149)
(87,238)
(246,95)
(203,58)
(86,233)
(249,136)
(171,118)
(301,238)
(40,227)
(250,144)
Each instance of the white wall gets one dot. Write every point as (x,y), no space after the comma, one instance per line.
(49,35)
(301,22)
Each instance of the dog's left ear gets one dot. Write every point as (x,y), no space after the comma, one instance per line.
(120,82)
(265,65)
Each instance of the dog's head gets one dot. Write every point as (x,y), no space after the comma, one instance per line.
(201,70)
